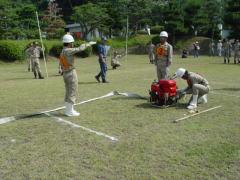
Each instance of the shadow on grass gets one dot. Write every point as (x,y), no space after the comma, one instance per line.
(14,79)
(129,98)
(88,82)
(228,89)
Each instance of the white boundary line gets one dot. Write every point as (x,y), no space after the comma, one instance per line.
(13,118)
(213,92)
(84,128)
(196,114)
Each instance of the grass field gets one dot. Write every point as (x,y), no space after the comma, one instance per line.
(150,145)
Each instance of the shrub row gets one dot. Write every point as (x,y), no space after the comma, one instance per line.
(11,50)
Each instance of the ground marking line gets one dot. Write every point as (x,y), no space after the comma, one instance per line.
(82,127)
(13,118)
(196,114)
(213,92)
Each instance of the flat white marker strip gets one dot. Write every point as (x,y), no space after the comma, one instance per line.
(213,92)
(84,128)
(196,114)
(13,118)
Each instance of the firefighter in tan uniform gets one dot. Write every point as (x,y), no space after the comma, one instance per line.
(115,60)
(29,60)
(227,47)
(236,52)
(151,53)
(163,56)
(197,86)
(34,52)
(69,72)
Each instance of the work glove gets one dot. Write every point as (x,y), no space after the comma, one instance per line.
(182,91)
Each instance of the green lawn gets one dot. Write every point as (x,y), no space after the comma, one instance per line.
(150,145)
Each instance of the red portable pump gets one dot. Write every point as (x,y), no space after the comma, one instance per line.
(163,92)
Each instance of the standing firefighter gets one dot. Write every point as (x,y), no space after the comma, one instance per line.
(115,60)
(196,49)
(102,59)
(150,51)
(29,59)
(236,52)
(163,56)
(219,48)
(197,86)
(69,72)
(35,51)
(227,47)
(212,48)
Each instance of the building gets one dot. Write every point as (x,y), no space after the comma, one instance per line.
(78,31)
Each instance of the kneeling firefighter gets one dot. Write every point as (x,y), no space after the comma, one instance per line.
(197,86)
(69,72)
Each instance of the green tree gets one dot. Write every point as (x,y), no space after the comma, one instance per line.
(90,17)
(232,17)
(212,8)
(174,19)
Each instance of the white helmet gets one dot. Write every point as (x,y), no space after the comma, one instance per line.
(180,72)
(67,38)
(164,34)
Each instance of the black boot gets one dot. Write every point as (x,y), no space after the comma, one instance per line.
(97,78)
(35,75)
(40,76)
(104,80)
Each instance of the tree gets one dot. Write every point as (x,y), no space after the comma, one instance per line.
(54,25)
(212,8)
(174,19)
(90,17)
(232,17)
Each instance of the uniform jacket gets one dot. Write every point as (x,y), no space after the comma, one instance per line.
(164,53)
(67,57)
(194,78)
(102,52)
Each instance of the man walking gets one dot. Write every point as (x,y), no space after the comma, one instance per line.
(163,56)
(102,59)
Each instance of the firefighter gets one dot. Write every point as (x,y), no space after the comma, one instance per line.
(236,51)
(34,53)
(197,86)
(102,59)
(227,47)
(211,48)
(115,60)
(150,50)
(69,72)
(163,56)
(196,49)
(219,48)
(28,55)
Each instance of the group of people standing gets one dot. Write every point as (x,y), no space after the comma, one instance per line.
(225,48)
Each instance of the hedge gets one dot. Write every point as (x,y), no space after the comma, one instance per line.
(12,50)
